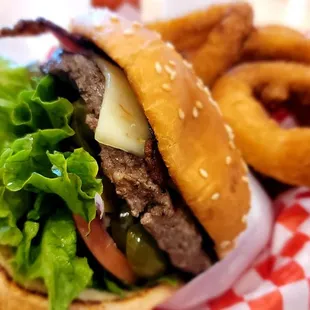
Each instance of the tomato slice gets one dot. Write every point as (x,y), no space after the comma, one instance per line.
(102,246)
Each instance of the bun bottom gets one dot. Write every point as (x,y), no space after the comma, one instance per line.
(13,297)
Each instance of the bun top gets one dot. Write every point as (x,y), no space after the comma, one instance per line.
(196,145)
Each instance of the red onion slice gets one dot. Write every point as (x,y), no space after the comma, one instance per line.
(216,280)
(99,205)
(69,41)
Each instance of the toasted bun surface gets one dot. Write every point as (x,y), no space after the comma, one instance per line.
(197,149)
(13,297)
(196,146)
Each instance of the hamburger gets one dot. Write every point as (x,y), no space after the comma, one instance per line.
(117,171)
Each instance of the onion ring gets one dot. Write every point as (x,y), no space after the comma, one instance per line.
(212,39)
(223,46)
(277,43)
(283,154)
(190,31)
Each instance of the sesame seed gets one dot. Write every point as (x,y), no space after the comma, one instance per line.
(170,45)
(228,160)
(114,19)
(245,179)
(229,132)
(203,173)
(225,244)
(181,114)
(200,81)
(207,91)
(199,84)
(172,63)
(232,144)
(173,76)
(214,103)
(171,72)
(158,67)
(215,196)
(187,64)
(136,24)
(195,112)
(168,69)
(244,218)
(245,166)
(199,104)
(128,32)
(166,87)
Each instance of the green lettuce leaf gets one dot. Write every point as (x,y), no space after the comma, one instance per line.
(113,287)
(12,207)
(13,80)
(25,253)
(41,185)
(32,161)
(29,167)
(54,259)
(172,280)
(27,106)
(41,207)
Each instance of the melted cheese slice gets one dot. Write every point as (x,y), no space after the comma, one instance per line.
(122,123)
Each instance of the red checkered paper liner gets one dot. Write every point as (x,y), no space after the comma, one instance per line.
(280,277)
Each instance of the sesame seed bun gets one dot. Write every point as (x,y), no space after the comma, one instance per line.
(13,296)
(196,146)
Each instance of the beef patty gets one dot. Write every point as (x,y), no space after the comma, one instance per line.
(140,181)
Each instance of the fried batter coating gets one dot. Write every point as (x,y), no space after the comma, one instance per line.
(211,39)
(283,154)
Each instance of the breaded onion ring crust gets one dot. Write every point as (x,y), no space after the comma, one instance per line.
(277,43)
(212,39)
(223,45)
(283,154)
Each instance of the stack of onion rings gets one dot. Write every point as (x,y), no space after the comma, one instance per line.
(277,71)
(212,39)
(281,153)
(277,43)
